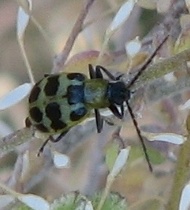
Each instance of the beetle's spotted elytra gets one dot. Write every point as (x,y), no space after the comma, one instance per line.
(58,102)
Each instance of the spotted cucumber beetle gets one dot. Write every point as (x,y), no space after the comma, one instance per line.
(60,101)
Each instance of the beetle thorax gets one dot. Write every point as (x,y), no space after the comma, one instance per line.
(95,93)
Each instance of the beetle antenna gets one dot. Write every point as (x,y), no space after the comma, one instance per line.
(139,135)
(148,61)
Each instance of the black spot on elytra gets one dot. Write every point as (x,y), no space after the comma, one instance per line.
(42,128)
(76,76)
(54,114)
(52,85)
(58,125)
(36,114)
(53,111)
(78,114)
(75,94)
(34,94)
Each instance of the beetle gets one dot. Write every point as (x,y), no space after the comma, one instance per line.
(60,101)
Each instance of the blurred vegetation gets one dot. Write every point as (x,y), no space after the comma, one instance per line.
(137,188)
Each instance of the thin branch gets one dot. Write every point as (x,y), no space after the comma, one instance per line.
(62,57)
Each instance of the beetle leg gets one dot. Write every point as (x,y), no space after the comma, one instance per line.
(59,137)
(91,71)
(52,140)
(99,121)
(95,73)
(98,73)
(116,112)
(110,75)
(122,110)
(119,77)
(43,145)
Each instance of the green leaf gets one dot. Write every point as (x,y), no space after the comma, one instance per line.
(113,202)
(155,156)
